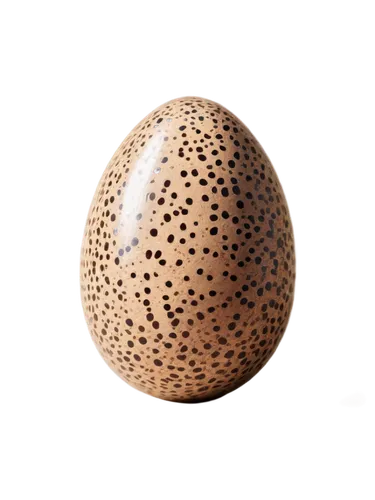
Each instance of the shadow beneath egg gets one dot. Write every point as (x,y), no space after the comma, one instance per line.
(204,403)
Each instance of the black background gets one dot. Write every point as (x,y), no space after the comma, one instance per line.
(309,374)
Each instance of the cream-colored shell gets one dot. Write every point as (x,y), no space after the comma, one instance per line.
(187,265)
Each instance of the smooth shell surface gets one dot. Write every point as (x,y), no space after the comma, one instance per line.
(187,262)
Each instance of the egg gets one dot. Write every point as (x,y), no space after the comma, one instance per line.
(187,261)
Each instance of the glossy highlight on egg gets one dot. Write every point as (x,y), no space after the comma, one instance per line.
(187,261)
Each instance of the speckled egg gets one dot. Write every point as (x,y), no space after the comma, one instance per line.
(187,262)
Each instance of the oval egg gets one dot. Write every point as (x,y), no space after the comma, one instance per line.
(187,261)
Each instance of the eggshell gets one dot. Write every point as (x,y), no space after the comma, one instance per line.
(187,262)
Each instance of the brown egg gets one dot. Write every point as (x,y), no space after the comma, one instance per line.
(187,264)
